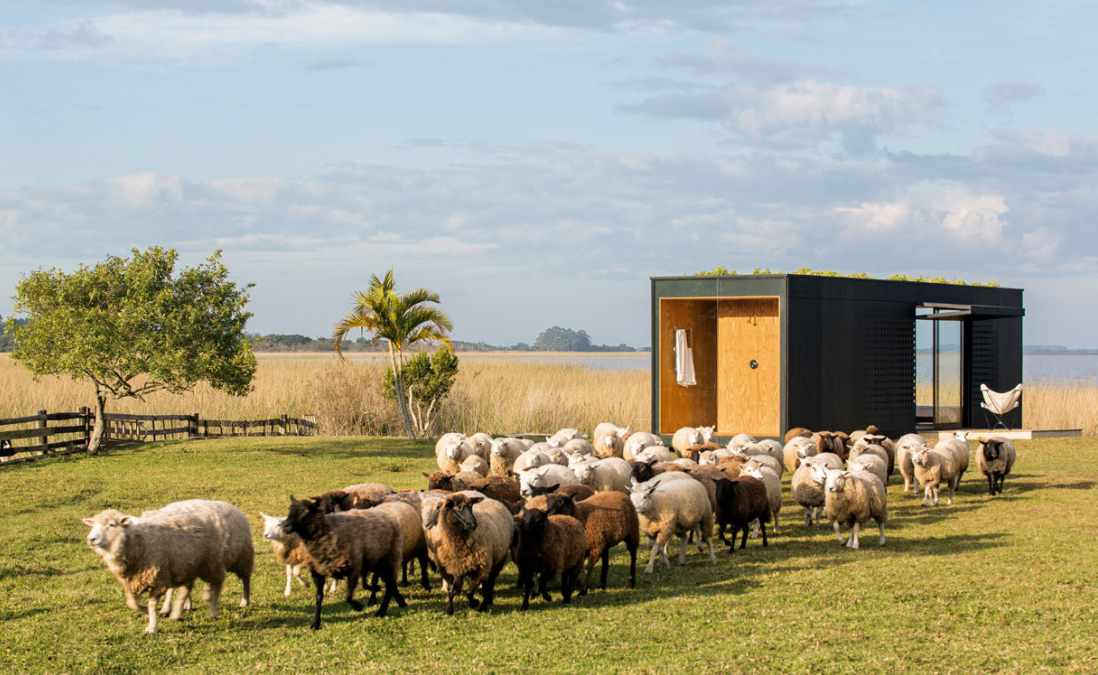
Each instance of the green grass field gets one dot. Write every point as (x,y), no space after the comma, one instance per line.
(1003,585)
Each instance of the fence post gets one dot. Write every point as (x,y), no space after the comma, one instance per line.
(83,411)
(44,438)
(309,430)
(192,426)
(283,422)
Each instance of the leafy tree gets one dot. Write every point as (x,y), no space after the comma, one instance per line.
(427,380)
(557,339)
(133,327)
(402,320)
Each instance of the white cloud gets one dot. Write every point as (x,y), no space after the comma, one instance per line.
(954,216)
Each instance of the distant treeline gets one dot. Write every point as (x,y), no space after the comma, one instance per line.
(555,339)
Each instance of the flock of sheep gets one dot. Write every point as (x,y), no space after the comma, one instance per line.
(555,508)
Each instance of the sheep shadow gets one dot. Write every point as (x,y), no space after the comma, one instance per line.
(370,449)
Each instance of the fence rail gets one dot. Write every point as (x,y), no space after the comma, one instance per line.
(24,438)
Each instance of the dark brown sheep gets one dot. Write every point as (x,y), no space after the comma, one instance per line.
(500,488)
(548,546)
(608,518)
(347,545)
(742,501)
(453,482)
(580,492)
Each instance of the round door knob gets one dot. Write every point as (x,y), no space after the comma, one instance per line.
(754,364)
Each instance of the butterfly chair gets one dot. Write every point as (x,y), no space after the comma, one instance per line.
(998,404)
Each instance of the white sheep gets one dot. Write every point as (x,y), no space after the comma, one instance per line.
(446,440)
(673,508)
(563,436)
(767,461)
(656,453)
(796,450)
(932,468)
(503,455)
(863,450)
(808,485)
(482,445)
(637,441)
(686,438)
(908,444)
(871,463)
(530,459)
(741,441)
(773,485)
(159,553)
(475,464)
(578,445)
(609,440)
(713,457)
(452,454)
(852,498)
(605,475)
(546,476)
(958,445)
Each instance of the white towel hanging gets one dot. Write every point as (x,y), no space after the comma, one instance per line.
(684,360)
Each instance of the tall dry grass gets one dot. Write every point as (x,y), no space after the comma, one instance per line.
(495,396)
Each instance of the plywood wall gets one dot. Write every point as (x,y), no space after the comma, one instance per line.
(688,406)
(749,399)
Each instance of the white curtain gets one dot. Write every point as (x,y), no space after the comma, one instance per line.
(684,360)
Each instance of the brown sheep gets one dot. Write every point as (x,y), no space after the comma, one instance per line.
(731,466)
(608,518)
(472,538)
(454,482)
(548,546)
(347,545)
(797,431)
(742,501)
(351,496)
(499,488)
(580,492)
(645,471)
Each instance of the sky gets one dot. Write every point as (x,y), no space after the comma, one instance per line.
(535,163)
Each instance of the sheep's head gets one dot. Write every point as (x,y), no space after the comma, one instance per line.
(458,509)
(302,511)
(961,436)
(272,527)
(919,455)
(818,472)
(737,451)
(836,481)
(554,441)
(641,496)
(992,448)
(458,450)
(642,471)
(532,524)
(726,490)
(751,469)
(497,447)
(694,437)
(584,471)
(107,528)
(709,434)
(563,505)
(708,457)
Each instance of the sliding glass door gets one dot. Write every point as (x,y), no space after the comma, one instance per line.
(939,372)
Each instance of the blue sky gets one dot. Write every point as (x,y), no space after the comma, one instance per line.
(535,163)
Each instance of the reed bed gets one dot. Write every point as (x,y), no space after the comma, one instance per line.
(498,396)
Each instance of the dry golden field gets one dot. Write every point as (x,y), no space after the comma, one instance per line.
(495,393)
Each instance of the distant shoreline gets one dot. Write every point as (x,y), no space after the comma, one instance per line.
(350,355)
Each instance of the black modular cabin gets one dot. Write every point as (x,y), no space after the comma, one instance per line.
(777,351)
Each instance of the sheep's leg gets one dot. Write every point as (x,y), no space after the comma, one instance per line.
(808,517)
(682,551)
(389,579)
(720,534)
(775,523)
(567,582)
(606,569)
(854,529)
(712,555)
(180,597)
(763,526)
(374,588)
(151,628)
(664,540)
(991,485)
(819,512)
(448,581)
(926,495)
(299,577)
(838,532)
(166,608)
(131,601)
(881,527)
(425,581)
(289,583)
(1001,479)
(333,585)
(489,588)
(632,565)
(213,594)
(701,542)
(936,489)
(743,541)
(952,486)
(652,558)
(755,529)
(318,586)
(246,599)
(543,587)
(527,582)
(349,593)
(404,572)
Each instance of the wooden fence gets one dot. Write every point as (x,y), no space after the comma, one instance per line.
(24,438)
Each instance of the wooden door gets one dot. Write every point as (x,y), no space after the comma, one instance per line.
(749,367)
(688,406)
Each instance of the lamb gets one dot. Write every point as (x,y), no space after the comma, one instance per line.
(656,453)
(449,456)
(237,553)
(863,450)
(678,507)
(637,441)
(742,501)
(605,475)
(796,450)
(686,437)
(548,546)
(288,550)
(156,554)
(530,459)
(808,485)
(501,489)
(958,445)
(871,463)
(472,537)
(767,461)
(932,468)
(852,498)
(481,444)
(995,458)
(453,483)
(544,476)
(348,545)
(476,465)
(503,455)
(907,445)
(608,518)
(773,485)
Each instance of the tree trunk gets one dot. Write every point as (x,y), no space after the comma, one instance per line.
(398,380)
(100,424)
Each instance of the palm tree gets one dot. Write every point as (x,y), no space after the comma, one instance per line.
(399,318)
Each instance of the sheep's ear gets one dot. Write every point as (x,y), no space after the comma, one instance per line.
(88,521)
(125,520)
(425,474)
(475,500)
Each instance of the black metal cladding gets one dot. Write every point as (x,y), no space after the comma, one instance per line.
(848,345)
